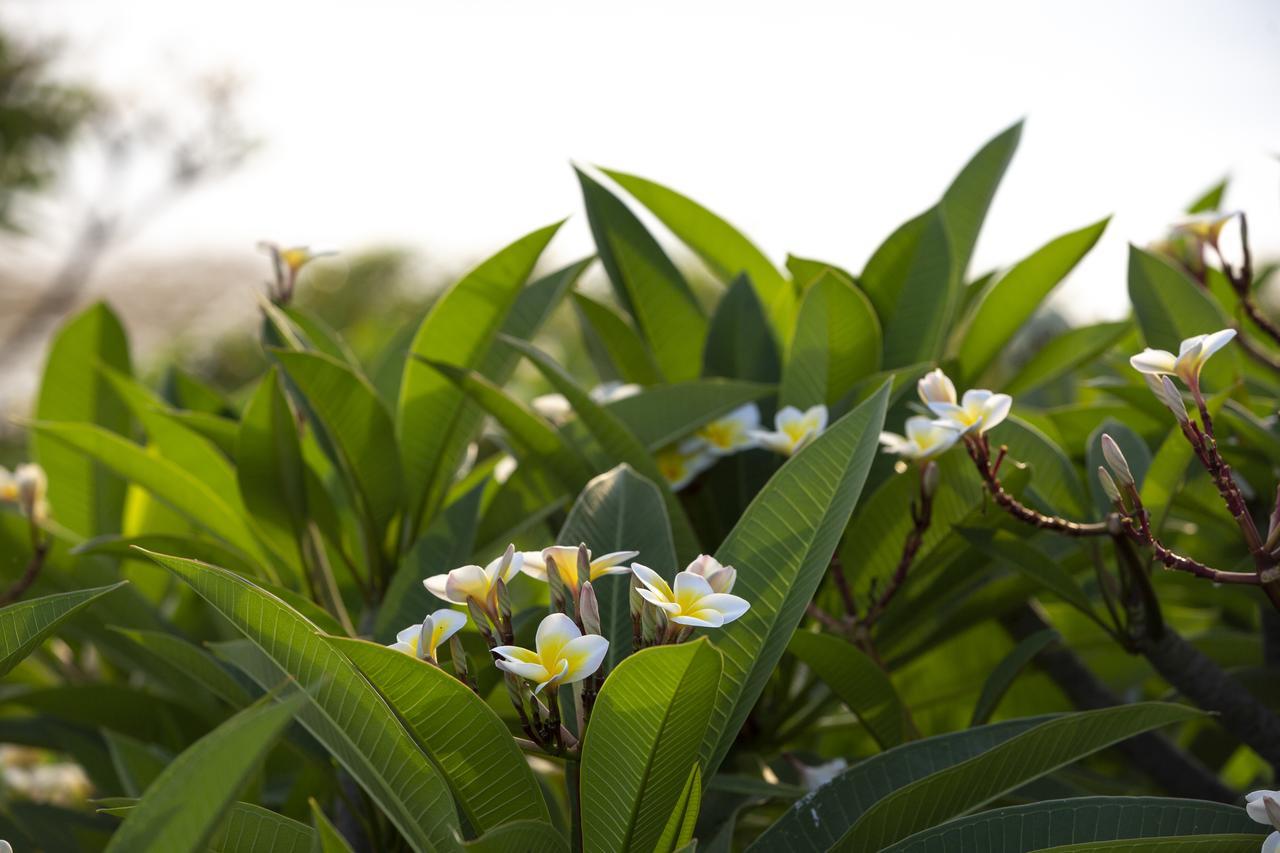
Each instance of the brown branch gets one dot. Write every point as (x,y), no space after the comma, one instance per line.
(921,516)
(980,451)
(29,575)
(1141,533)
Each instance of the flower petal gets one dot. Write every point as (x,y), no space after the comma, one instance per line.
(552,677)
(653,581)
(728,606)
(1272,844)
(406,635)
(437,585)
(700,619)
(1154,361)
(995,410)
(554,632)
(532,671)
(583,656)
(467,582)
(444,624)
(1216,341)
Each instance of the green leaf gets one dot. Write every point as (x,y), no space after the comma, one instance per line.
(137,763)
(805,271)
(740,344)
(649,718)
(166,480)
(836,343)
(684,817)
(1119,820)
(247,828)
(858,682)
(182,807)
(24,625)
(781,547)
(537,438)
(1003,676)
(345,713)
(621,511)
(1007,305)
(491,780)
(1004,768)
(965,203)
(269,467)
(914,287)
(647,283)
(720,246)
(358,426)
(187,667)
(1030,560)
(1170,307)
(1210,200)
(85,494)
(1065,353)
(327,838)
(816,821)
(619,444)
(431,420)
(527,836)
(447,544)
(617,340)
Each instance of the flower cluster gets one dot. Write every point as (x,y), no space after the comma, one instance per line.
(978,411)
(27,487)
(738,431)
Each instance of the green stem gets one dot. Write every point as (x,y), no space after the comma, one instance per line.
(573,782)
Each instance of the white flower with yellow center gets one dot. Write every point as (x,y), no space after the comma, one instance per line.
(423,641)
(556,408)
(1264,807)
(565,558)
(925,438)
(1186,365)
(979,410)
(679,467)
(692,601)
(936,387)
(474,582)
(793,429)
(719,578)
(728,435)
(564,654)
(1207,228)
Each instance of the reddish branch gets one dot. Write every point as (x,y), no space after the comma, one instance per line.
(980,451)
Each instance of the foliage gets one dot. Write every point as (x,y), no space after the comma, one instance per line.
(983,645)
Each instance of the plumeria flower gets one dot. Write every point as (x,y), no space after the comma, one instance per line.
(925,438)
(474,582)
(504,468)
(679,467)
(727,435)
(793,429)
(979,410)
(1186,365)
(719,578)
(936,387)
(1207,228)
(564,654)
(565,559)
(422,641)
(692,602)
(28,487)
(1264,807)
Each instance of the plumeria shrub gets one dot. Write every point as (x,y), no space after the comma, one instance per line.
(785,558)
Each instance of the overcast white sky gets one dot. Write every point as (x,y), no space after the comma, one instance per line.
(815,127)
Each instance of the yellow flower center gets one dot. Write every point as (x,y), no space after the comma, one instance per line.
(721,434)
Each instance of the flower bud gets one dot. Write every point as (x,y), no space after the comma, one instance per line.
(584,564)
(589,610)
(929,479)
(481,620)
(32,486)
(504,601)
(654,624)
(1116,461)
(634,600)
(1109,486)
(936,387)
(458,655)
(1166,392)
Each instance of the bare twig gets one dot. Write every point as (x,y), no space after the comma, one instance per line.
(980,451)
